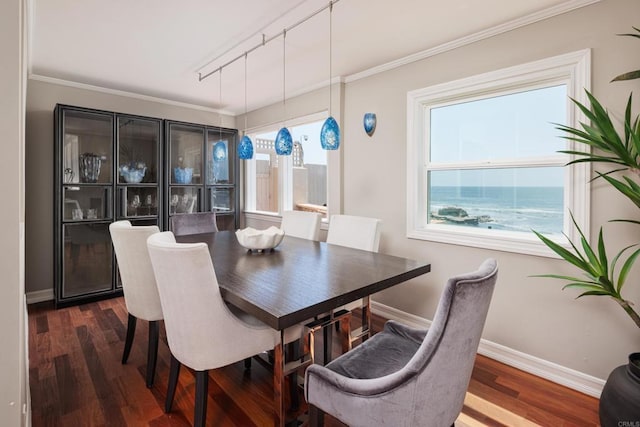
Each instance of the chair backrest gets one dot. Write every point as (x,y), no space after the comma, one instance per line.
(201,331)
(138,281)
(193,223)
(356,232)
(305,225)
(454,335)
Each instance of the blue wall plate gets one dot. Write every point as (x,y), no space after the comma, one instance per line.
(369,122)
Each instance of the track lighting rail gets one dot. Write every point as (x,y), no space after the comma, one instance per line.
(266,40)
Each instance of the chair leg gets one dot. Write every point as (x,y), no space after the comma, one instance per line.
(152,351)
(202,386)
(247,363)
(174,372)
(131,331)
(316,416)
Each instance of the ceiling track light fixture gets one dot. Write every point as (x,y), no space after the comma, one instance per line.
(330,132)
(284,141)
(245,148)
(262,43)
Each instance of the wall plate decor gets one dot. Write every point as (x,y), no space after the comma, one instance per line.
(369,122)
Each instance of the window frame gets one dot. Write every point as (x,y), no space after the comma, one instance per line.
(285,177)
(572,69)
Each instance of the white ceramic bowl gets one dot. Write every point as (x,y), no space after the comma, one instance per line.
(260,240)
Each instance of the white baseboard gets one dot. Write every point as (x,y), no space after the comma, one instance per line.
(562,375)
(39,296)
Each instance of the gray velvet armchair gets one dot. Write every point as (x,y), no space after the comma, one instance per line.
(404,376)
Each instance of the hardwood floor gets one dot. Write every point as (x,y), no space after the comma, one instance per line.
(77,379)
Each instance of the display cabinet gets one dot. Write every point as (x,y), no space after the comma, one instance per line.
(201,172)
(107,168)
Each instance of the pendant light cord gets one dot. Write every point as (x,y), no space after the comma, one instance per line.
(245,92)
(330,52)
(220,104)
(284,74)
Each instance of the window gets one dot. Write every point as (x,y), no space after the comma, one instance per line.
(483,162)
(278,183)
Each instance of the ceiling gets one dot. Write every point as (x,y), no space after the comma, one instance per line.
(157,47)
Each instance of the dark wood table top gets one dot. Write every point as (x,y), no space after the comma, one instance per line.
(300,278)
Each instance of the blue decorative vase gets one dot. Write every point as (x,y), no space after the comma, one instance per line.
(183,175)
(369,122)
(219,151)
(284,142)
(245,148)
(133,172)
(330,134)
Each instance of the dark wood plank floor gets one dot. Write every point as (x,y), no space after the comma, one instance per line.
(77,379)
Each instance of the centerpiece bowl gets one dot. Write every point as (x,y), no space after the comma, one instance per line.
(260,240)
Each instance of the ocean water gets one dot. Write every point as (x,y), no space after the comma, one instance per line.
(508,208)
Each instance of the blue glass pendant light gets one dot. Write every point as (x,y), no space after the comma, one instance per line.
(330,132)
(245,148)
(284,142)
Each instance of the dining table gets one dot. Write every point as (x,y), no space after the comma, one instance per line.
(296,281)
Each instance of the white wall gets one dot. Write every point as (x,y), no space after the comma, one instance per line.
(42,97)
(530,315)
(13,370)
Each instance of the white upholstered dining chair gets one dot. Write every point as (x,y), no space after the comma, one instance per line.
(139,286)
(356,232)
(203,332)
(301,224)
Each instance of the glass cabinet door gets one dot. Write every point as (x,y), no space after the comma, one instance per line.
(221,199)
(138,202)
(138,145)
(86,203)
(87,147)
(185,154)
(87,261)
(183,200)
(220,157)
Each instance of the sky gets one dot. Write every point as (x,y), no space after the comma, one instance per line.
(513,126)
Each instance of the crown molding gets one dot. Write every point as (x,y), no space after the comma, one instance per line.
(472,38)
(109,91)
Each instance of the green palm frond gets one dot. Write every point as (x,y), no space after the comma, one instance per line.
(604,145)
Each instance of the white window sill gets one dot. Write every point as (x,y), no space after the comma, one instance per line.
(523,243)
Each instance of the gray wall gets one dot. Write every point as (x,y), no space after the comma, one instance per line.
(41,100)
(13,366)
(531,315)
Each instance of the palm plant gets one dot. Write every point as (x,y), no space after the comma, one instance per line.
(622,150)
